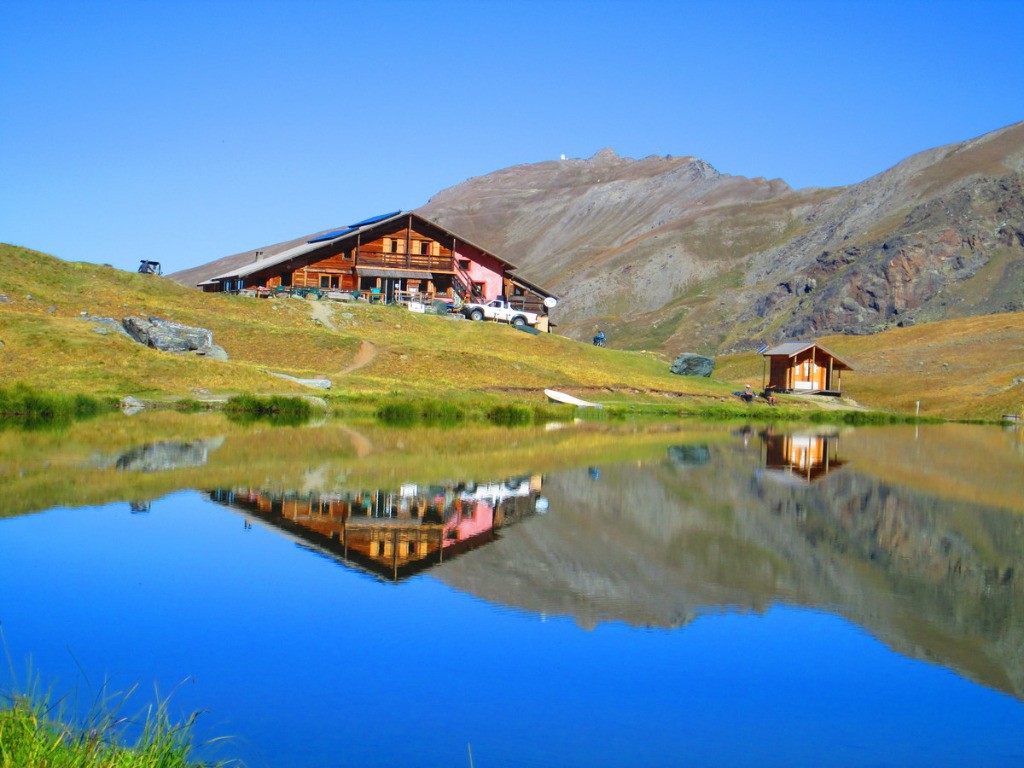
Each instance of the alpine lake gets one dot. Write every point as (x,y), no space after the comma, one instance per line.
(583,594)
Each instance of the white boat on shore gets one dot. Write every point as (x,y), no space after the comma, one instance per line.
(561,397)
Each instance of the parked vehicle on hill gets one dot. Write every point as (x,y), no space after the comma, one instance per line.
(500,310)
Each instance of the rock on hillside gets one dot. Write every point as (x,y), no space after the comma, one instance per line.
(668,253)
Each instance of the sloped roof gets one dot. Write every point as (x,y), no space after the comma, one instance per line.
(794,348)
(263,263)
(255,260)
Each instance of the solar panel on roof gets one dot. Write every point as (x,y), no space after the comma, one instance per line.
(332,235)
(374,219)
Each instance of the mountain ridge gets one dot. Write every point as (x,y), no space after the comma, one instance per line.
(669,254)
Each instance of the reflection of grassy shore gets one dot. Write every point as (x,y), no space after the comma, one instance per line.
(78,465)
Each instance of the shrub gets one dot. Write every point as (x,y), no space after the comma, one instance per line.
(276,408)
(512,415)
(400,412)
(27,407)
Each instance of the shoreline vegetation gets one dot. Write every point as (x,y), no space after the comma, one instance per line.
(22,406)
(38,732)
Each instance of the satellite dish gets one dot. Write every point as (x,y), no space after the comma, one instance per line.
(550,302)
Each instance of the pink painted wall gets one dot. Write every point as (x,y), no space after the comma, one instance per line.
(467,525)
(483,268)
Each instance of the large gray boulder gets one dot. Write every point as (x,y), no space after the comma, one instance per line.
(692,364)
(169,336)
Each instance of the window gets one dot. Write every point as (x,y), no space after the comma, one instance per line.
(464,264)
(424,247)
(325,281)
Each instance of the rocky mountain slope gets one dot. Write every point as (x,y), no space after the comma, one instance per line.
(666,253)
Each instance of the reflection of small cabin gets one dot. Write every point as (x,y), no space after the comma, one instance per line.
(808,457)
(804,366)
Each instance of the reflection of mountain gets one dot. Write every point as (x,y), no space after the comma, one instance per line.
(392,533)
(656,545)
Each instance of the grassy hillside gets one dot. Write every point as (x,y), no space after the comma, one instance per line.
(965,368)
(49,343)
(960,368)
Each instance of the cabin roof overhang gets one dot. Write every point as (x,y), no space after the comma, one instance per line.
(791,349)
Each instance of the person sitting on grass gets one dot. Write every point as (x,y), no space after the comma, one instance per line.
(769,395)
(747,395)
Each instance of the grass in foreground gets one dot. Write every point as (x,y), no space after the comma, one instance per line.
(34,733)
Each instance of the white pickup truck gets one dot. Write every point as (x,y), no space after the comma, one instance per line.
(501,311)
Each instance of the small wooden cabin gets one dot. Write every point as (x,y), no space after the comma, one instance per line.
(387,258)
(805,366)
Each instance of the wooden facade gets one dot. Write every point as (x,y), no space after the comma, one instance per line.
(385,259)
(804,366)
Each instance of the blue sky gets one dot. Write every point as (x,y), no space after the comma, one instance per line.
(186,131)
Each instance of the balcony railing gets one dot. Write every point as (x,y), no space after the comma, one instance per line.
(417,261)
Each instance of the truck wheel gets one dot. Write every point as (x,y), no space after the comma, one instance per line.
(518,321)
(476,314)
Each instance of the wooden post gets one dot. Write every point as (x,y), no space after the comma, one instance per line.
(408,243)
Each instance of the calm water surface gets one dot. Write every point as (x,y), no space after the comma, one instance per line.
(719,597)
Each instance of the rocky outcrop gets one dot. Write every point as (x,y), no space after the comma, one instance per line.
(168,336)
(316,383)
(692,364)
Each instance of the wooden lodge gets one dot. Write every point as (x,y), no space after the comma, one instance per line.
(395,257)
(805,367)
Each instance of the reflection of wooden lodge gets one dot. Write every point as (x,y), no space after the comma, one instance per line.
(803,366)
(807,457)
(394,534)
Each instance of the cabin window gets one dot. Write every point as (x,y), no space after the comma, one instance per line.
(424,247)
(463,263)
(325,281)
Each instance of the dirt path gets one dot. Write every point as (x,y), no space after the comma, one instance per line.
(367,352)
(324,313)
